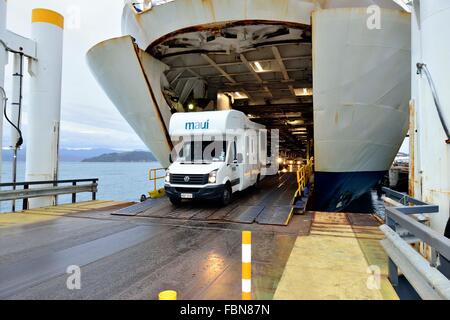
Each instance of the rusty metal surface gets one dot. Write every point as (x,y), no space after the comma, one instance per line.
(360,226)
(362,219)
(332,261)
(217,26)
(210,14)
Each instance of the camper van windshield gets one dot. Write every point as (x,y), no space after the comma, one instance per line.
(203,151)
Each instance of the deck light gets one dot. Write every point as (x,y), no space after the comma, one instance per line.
(265,66)
(258,67)
(303,92)
(237,95)
(191,106)
(296,122)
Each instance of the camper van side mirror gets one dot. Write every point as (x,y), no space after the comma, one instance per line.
(239,158)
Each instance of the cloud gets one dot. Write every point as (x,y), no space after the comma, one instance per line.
(88,118)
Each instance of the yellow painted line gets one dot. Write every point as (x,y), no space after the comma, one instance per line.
(348,230)
(327,225)
(326,267)
(83,204)
(289,217)
(51,213)
(18,219)
(336,263)
(343,235)
(47,16)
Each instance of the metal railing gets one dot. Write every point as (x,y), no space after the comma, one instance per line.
(53,191)
(153,176)
(303,175)
(426,279)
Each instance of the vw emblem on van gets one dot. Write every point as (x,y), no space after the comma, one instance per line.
(186,179)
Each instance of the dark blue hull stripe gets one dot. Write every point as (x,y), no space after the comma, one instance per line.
(336,190)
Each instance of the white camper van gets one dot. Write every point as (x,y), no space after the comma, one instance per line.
(216,154)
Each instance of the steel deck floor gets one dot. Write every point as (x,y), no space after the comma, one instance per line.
(196,253)
(271,203)
(126,257)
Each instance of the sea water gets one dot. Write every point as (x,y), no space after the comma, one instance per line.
(127,181)
(119,181)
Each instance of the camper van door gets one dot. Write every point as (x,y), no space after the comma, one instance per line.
(248,166)
(233,164)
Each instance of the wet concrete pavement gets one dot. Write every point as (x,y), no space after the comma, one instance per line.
(123,257)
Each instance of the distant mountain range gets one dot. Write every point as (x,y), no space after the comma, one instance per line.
(132,156)
(76,155)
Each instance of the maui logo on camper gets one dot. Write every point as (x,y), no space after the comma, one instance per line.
(196,125)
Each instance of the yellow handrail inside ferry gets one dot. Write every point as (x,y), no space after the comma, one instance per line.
(153,176)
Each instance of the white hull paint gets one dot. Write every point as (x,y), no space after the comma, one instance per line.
(159,21)
(361,89)
(132,80)
(431,162)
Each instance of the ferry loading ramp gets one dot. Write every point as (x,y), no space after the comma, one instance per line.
(137,256)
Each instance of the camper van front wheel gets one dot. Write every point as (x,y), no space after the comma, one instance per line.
(226,196)
(258,181)
(175,201)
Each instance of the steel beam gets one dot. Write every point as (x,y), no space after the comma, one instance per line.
(218,68)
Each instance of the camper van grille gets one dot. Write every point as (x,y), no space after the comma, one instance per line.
(198,179)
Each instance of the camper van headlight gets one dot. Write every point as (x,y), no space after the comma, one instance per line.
(167,178)
(212,177)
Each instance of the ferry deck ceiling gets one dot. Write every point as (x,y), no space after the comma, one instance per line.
(266,70)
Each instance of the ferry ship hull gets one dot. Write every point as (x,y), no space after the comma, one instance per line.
(361,95)
(360,77)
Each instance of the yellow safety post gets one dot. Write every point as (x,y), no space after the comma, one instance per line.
(167,295)
(246,265)
(301,180)
(152,176)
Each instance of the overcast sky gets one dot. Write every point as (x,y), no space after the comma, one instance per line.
(88,118)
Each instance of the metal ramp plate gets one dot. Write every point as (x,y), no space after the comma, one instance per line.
(137,208)
(275,215)
(271,204)
(244,214)
(223,212)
